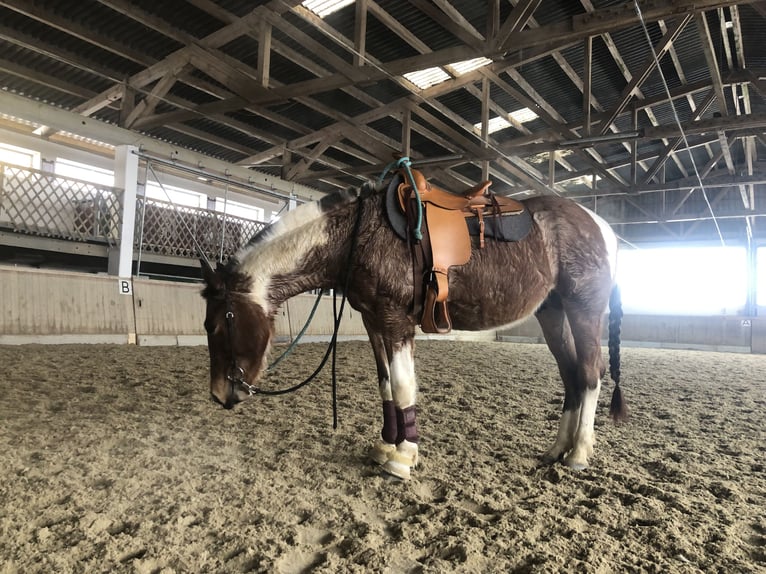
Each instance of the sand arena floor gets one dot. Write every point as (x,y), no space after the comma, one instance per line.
(113,459)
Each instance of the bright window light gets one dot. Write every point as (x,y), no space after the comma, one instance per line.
(236,209)
(683,281)
(177,195)
(523,115)
(85,172)
(426,78)
(494,125)
(460,68)
(323,8)
(760,277)
(19,156)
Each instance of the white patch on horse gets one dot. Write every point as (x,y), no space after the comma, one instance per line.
(384,385)
(403,385)
(584,438)
(565,436)
(298,233)
(610,239)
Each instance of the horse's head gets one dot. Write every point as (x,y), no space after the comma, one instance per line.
(238,334)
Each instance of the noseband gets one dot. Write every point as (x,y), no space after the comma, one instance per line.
(236,374)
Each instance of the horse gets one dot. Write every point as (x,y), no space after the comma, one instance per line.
(562,271)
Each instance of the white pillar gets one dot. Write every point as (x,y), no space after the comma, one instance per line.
(125,178)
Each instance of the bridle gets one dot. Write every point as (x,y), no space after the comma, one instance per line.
(235,374)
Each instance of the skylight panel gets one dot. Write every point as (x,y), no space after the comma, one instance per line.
(323,8)
(500,123)
(523,115)
(460,68)
(426,78)
(494,125)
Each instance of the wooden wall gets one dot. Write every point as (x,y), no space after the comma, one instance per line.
(58,307)
(716,333)
(39,306)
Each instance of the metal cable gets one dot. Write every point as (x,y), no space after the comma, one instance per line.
(678,120)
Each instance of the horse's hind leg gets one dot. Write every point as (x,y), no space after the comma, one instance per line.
(585,323)
(558,336)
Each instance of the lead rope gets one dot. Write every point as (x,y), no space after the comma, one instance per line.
(300,334)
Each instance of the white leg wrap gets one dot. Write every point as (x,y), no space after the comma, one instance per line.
(402,460)
(381,452)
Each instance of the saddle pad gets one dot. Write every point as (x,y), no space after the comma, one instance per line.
(506,227)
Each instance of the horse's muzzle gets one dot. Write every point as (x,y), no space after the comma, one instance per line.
(225,395)
(229,404)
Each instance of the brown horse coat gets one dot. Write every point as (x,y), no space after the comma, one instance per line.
(563,272)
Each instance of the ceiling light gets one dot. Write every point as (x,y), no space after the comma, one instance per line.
(426,78)
(324,7)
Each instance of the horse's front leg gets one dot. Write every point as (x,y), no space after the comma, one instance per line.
(385,446)
(403,391)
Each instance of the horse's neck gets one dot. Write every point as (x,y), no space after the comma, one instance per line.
(295,257)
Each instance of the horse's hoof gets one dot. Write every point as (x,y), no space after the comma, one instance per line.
(401,460)
(396,469)
(381,452)
(575,465)
(548,460)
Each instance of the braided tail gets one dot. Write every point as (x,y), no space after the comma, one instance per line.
(618,410)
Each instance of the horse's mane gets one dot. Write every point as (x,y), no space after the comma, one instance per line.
(309,212)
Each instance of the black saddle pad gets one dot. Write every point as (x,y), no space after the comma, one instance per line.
(505,227)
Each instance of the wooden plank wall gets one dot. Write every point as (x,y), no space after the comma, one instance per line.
(41,303)
(39,306)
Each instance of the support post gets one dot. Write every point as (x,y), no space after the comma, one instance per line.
(126,179)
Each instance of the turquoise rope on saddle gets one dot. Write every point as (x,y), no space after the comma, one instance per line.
(405,163)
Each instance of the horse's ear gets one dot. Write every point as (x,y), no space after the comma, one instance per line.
(210,276)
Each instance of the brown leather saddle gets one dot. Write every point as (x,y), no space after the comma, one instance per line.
(448,222)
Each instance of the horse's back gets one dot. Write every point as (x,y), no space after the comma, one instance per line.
(505,282)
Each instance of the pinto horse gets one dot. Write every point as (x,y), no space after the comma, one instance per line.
(562,272)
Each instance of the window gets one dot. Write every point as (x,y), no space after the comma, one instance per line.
(760,277)
(84,172)
(236,209)
(683,281)
(177,195)
(19,156)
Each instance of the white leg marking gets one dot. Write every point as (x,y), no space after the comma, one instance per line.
(384,386)
(565,436)
(403,385)
(584,438)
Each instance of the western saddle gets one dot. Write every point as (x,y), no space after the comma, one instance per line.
(445,238)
